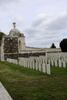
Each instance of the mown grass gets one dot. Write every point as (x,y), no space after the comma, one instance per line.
(26,84)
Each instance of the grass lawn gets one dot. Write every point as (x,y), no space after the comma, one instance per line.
(26,84)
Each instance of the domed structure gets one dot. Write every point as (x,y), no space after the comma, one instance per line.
(15,32)
(15,41)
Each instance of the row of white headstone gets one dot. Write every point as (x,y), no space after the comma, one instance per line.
(58,63)
(14,61)
(42,63)
(57,59)
(35,63)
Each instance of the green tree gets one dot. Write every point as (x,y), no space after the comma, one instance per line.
(63,45)
(53,45)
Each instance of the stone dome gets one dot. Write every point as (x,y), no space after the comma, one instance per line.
(15,32)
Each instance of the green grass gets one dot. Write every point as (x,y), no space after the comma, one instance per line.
(26,84)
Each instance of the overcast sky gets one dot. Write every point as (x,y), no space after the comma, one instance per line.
(42,21)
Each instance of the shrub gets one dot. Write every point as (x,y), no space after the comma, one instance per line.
(63,45)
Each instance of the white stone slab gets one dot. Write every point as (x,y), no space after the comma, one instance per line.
(28,63)
(52,62)
(43,68)
(36,64)
(4,94)
(64,64)
(39,66)
(60,63)
(48,69)
(33,66)
(56,63)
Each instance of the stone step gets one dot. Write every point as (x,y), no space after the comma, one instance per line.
(4,95)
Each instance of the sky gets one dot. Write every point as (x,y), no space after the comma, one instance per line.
(43,22)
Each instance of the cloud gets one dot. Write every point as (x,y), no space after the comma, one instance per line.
(44,29)
(7,1)
(39,20)
(58,24)
(45,32)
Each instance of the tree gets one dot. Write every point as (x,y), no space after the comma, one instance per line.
(63,45)
(53,45)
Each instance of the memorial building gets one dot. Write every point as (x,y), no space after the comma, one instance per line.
(13,45)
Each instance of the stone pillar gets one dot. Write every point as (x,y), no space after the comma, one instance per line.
(2,50)
(21,44)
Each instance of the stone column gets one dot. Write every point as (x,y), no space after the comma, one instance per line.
(2,50)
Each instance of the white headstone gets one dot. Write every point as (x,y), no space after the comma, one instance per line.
(52,62)
(39,66)
(48,69)
(43,68)
(60,63)
(64,64)
(32,64)
(36,64)
(56,63)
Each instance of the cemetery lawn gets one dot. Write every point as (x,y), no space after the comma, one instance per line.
(26,84)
